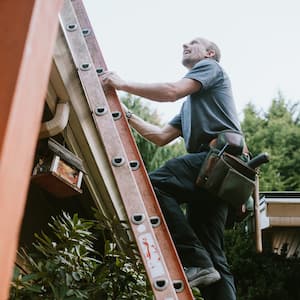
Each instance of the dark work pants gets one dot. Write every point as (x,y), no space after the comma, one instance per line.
(198,237)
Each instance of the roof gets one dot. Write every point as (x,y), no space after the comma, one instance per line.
(280,209)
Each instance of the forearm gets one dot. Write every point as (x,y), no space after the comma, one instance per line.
(160,92)
(155,134)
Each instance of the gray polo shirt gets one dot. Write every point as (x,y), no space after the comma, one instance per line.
(207,112)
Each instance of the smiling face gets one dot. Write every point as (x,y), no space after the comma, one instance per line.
(195,51)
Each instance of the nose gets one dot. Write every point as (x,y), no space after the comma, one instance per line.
(184,46)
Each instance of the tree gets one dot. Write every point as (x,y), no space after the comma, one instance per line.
(278,133)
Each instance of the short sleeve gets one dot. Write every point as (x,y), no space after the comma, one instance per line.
(207,72)
(176,122)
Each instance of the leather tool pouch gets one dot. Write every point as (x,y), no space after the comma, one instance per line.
(227,176)
(232,140)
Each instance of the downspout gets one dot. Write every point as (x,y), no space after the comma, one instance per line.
(58,123)
(258,233)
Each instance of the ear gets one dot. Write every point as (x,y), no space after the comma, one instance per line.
(210,53)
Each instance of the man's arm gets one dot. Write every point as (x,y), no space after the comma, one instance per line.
(160,136)
(160,92)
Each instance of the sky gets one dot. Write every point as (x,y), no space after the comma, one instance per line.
(259,40)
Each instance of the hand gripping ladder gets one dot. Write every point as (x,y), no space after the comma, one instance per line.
(150,231)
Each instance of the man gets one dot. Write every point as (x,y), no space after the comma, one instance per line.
(208,109)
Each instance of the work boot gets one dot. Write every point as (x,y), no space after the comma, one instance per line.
(198,276)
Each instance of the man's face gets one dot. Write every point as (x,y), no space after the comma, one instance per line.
(193,52)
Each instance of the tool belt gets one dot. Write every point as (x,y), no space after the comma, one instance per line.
(223,173)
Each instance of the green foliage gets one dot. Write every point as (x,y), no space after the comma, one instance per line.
(120,277)
(66,265)
(260,276)
(197,294)
(153,156)
(278,133)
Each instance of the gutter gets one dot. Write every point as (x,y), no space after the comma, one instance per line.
(58,123)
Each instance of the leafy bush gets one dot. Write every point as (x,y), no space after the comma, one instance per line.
(260,276)
(66,265)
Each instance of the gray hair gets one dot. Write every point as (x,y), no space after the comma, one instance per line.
(209,45)
(216,49)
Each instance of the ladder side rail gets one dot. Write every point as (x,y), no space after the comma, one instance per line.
(138,218)
(141,176)
(26,50)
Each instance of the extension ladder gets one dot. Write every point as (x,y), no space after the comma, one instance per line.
(149,229)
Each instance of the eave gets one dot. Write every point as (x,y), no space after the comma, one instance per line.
(280,209)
